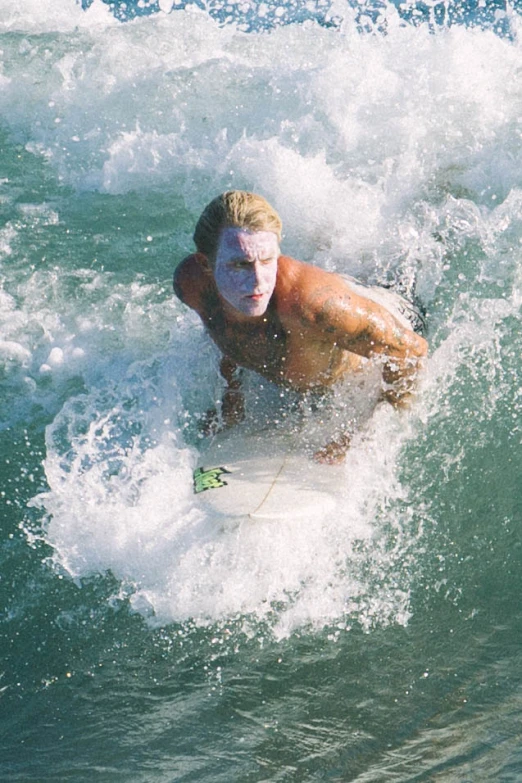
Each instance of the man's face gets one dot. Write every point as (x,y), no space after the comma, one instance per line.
(246,269)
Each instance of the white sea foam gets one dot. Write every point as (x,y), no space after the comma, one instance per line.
(387,156)
(33,16)
(121,500)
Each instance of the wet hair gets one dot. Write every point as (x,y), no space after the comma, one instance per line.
(234,209)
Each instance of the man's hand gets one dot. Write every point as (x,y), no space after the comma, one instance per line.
(209,423)
(400,378)
(335,451)
(232,412)
(232,407)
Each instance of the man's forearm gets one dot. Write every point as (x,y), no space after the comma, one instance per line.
(232,407)
(233,402)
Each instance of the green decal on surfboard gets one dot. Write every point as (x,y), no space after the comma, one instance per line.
(209,478)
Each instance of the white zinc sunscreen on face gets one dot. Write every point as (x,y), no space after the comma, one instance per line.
(246,269)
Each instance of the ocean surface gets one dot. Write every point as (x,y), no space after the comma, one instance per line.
(140,640)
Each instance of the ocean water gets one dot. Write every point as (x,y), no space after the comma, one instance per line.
(141,640)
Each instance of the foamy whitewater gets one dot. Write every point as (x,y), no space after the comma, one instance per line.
(389,139)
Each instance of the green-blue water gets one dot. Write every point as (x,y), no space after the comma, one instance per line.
(140,640)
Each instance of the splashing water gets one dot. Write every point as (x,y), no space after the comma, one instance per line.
(393,157)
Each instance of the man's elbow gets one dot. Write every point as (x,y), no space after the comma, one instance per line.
(418,348)
(423,347)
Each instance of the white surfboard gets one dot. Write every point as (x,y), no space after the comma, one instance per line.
(265,475)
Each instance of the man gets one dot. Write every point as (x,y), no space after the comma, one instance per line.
(295,324)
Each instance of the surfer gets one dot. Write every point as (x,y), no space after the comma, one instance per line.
(297,325)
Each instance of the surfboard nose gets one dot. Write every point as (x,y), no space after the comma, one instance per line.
(245,477)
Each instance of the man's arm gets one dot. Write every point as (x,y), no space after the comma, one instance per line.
(232,402)
(364,327)
(361,326)
(189,286)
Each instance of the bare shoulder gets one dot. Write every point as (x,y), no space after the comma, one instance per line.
(324,304)
(306,290)
(300,278)
(191,279)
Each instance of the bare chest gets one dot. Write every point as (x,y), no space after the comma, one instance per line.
(261,347)
(282,349)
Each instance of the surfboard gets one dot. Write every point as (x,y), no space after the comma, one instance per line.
(266,475)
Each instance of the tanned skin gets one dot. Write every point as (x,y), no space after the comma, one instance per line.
(315,331)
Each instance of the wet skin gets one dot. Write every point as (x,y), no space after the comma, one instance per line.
(295,324)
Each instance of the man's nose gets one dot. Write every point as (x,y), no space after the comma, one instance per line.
(256,272)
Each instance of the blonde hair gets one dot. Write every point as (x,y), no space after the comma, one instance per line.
(234,209)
